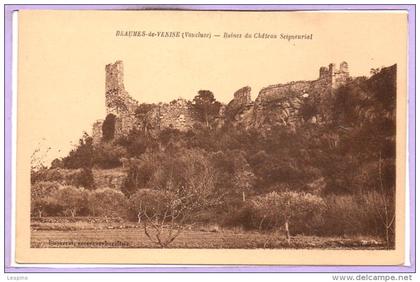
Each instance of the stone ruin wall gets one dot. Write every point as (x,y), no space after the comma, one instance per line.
(118,102)
(275,105)
(280,104)
(177,115)
(329,78)
(97,131)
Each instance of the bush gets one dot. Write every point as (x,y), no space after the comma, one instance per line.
(75,177)
(107,155)
(107,202)
(72,200)
(139,174)
(45,174)
(245,216)
(302,212)
(353,215)
(85,179)
(43,198)
(108,127)
(82,155)
(57,163)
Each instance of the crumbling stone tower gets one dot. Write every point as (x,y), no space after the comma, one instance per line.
(118,102)
(114,76)
(335,77)
(120,107)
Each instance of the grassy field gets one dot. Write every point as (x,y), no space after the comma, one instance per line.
(103,235)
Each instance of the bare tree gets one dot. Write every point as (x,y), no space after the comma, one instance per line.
(38,156)
(177,196)
(159,213)
(387,209)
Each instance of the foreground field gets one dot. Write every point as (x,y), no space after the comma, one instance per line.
(101,235)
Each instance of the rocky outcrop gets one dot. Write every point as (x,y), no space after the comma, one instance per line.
(240,110)
(278,105)
(286,104)
(109,178)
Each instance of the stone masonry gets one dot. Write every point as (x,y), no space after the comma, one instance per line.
(117,102)
(278,104)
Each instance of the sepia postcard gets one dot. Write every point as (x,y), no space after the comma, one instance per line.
(211,137)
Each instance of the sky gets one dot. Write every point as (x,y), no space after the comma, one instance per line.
(62,57)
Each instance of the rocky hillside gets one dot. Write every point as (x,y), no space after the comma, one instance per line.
(327,146)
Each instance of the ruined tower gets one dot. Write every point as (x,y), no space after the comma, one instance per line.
(114,76)
(335,77)
(341,75)
(120,107)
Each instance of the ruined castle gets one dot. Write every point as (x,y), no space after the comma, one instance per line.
(278,104)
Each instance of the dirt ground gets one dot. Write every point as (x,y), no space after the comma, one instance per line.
(101,235)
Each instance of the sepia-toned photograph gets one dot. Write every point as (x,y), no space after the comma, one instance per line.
(193,130)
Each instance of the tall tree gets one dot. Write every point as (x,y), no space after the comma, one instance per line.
(206,106)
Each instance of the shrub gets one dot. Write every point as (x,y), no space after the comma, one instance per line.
(139,174)
(245,216)
(302,212)
(353,215)
(107,202)
(75,177)
(108,127)
(107,155)
(309,108)
(45,174)
(57,163)
(85,179)
(43,200)
(72,200)
(82,155)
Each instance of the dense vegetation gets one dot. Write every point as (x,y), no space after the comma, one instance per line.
(335,177)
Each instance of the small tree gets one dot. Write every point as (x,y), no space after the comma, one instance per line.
(142,115)
(244,178)
(288,208)
(206,106)
(42,197)
(72,199)
(386,209)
